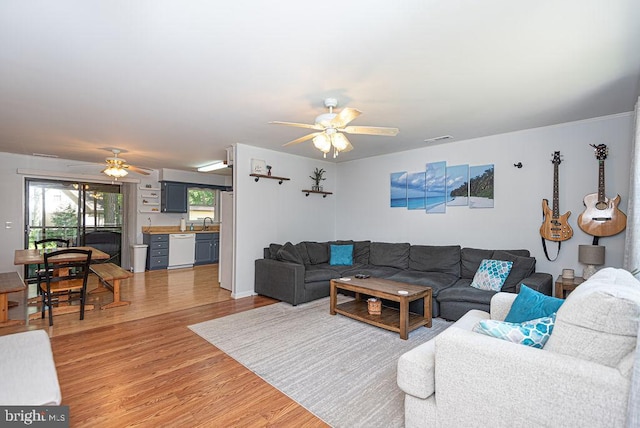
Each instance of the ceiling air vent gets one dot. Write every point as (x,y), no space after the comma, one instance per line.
(438,139)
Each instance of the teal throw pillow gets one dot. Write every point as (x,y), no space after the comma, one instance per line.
(341,255)
(534,333)
(491,274)
(531,304)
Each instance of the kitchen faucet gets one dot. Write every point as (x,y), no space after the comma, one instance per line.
(204,222)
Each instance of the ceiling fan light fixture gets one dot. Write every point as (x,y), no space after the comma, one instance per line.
(339,141)
(322,143)
(115,171)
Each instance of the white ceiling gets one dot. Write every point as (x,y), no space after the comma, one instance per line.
(173,82)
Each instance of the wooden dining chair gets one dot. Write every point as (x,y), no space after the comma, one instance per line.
(65,274)
(48,243)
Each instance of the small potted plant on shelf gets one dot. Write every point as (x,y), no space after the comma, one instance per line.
(317,177)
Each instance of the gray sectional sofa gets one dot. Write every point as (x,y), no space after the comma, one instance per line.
(302,272)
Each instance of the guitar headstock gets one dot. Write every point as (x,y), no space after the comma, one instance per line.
(600,150)
(557,159)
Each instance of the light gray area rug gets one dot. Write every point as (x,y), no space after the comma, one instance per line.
(341,370)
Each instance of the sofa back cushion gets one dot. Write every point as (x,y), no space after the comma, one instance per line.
(430,258)
(522,267)
(289,253)
(389,254)
(273,250)
(302,250)
(361,252)
(318,252)
(470,259)
(599,320)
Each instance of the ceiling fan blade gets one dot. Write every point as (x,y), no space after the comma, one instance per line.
(139,170)
(298,125)
(345,116)
(371,130)
(349,146)
(301,139)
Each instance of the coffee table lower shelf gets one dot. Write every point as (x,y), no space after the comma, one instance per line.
(389,319)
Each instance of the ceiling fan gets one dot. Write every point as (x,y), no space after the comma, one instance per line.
(331,126)
(118,167)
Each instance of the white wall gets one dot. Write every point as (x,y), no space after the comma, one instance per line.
(269,212)
(363,191)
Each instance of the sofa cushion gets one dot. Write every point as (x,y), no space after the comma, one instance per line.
(341,255)
(302,250)
(599,320)
(361,250)
(522,268)
(288,253)
(436,280)
(491,274)
(461,292)
(374,271)
(318,252)
(389,254)
(273,251)
(320,272)
(445,259)
(470,259)
(534,333)
(531,304)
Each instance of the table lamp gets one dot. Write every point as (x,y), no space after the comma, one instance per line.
(592,256)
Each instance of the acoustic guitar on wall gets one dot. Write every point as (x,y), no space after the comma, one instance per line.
(555,227)
(601,216)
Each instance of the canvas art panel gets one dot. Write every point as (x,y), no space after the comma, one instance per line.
(481,186)
(435,180)
(398,189)
(457,185)
(416,190)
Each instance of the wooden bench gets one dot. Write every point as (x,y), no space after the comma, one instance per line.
(110,276)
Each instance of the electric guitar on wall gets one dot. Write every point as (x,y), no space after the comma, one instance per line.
(601,216)
(555,227)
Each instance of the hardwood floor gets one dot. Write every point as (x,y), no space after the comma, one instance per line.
(140,365)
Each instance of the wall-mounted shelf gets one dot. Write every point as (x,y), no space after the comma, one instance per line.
(145,202)
(320,192)
(272,177)
(155,210)
(150,189)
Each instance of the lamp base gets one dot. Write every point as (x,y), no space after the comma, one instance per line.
(588,271)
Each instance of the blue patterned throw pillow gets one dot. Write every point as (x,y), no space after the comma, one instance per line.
(534,333)
(491,274)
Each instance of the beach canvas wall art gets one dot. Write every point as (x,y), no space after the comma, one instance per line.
(481,186)
(436,187)
(416,190)
(398,189)
(458,185)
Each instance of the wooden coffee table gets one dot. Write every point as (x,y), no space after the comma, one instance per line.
(401,321)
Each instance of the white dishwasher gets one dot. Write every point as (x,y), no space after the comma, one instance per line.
(182,250)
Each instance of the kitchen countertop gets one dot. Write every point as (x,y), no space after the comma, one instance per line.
(159,230)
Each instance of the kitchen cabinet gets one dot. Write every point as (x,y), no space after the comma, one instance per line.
(207,248)
(173,197)
(158,251)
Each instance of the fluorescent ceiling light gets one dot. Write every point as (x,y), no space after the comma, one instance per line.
(213,166)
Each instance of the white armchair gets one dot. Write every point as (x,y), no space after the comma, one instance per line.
(582,377)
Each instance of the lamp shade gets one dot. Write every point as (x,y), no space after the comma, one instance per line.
(591,254)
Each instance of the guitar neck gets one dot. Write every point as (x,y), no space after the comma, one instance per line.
(555,208)
(601,197)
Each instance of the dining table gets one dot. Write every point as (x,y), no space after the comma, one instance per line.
(33,256)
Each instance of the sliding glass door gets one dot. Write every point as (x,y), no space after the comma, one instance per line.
(83,213)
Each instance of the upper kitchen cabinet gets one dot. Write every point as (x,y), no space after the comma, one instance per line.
(173,197)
